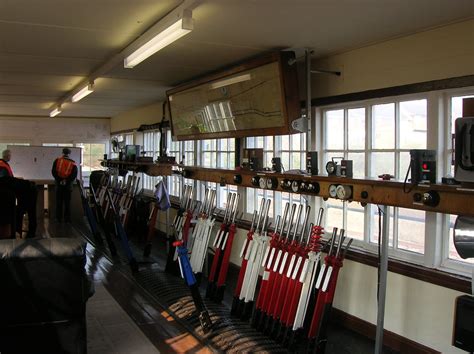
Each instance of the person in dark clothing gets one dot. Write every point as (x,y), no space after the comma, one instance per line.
(5,169)
(64,172)
(25,193)
(7,212)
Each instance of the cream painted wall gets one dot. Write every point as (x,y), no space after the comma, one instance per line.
(431,55)
(38,130)
(420,311)
(134,118)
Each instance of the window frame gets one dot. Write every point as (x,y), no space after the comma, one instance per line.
(438,137)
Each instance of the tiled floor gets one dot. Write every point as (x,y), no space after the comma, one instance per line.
(111,330)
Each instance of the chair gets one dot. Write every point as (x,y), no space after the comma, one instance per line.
(43,295)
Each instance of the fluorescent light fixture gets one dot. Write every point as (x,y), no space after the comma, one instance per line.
(231,81)
(55,111)
(172,33)
(83,93)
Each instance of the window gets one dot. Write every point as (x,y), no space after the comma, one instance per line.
(183,151)
(92,153)
(59,144)
(3,146)
(151,141)
(394,128)
(291,149)
(126,139)
(218,153)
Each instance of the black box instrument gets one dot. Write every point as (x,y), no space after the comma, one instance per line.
(464,149)
(312,163)
(346,168)
(252,159)
(276,164)
(423,166)
(463,334)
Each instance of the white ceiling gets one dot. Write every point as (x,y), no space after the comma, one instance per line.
(48,47)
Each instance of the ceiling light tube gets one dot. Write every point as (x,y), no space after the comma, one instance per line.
(172,33)
(83,93)
(55,112)
(230,81)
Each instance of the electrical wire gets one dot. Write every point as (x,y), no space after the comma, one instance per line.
(406,179)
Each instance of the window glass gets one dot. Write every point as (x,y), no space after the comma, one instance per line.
(383,126)
(356,128)
(411,230)
(383,162)
(334,124)
(355,221)
(358,163)
(413,124)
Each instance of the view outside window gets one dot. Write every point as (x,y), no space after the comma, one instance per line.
(395,128)
(91,156)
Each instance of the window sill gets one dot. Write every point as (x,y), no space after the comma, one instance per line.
(415,271)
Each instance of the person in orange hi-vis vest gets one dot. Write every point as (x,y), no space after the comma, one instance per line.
(5,169)
(65,173)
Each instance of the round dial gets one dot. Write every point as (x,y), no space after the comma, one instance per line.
(313,187)
(304,187)
(343,192)
(272,183)
(295,186)
(332,191)
(262,182)
(238,179)
(255,181)
(331,167)
(285,184)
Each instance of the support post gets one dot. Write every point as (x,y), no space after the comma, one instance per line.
(382,286)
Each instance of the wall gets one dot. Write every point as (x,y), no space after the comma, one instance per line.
(417,310)
(132,119)
(38,130)
(420,311)
(440,53)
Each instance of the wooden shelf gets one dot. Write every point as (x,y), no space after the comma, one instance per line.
(452,199)
(149,168)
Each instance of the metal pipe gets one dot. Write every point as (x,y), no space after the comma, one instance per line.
(290,221)
(297,222)
(283,220)
(382,286)
(308,85)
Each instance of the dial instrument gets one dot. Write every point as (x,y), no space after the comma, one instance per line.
(262,182)
(285,184)
(313,187)
(295,186)
(272,183)
(332,191)
(303,187)
(331,168)
(238,179)
(344,192)
(255,181)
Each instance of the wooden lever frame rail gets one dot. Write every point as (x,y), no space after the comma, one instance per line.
(149,168)
(452,199)
(455,200)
